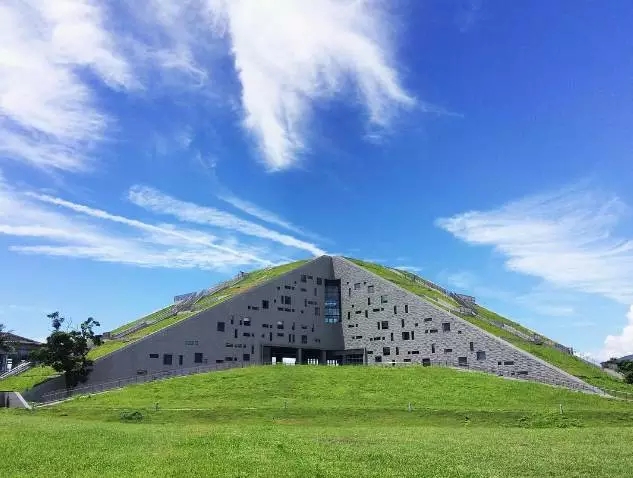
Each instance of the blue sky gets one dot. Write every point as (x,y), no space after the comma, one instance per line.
(155,149)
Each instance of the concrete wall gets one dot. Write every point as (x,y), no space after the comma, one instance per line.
(12,400)
(238,343)
(425,323)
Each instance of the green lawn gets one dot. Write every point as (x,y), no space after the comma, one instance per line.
(28,379)
(569,363)
(324,421)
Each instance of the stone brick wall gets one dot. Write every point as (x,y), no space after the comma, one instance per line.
(370,302)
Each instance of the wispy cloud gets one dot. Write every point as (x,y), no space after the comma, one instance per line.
(260,213)
(619,345)
(53,226)
(160,203)
(566,238)
(48,111)
(57,58)
(409,268)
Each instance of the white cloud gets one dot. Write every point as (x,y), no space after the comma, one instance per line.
(619,345)
(157,202)
(48,112)
(259,213)
(289,54)
(566,238)
(62,228)
(57,58)
(409,268)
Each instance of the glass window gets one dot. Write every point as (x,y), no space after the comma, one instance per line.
(167,359)
(197,357)
(220,326)
(332,302)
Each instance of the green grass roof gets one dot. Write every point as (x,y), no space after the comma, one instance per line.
(569,363)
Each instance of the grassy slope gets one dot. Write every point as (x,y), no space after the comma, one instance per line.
(28,379)
(325,421)
(569,363)
(253,279)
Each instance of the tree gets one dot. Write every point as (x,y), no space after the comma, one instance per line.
(3,338)
(66,351)
(626,368)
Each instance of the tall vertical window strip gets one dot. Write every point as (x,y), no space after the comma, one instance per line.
(332,309)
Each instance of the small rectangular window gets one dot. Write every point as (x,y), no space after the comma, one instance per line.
(280,325)
(319,281)
(448,351)
(377,358)
(407,360)
(366,314)
(397,350)
(405,335)
(153,355)
(368,300)
(280,334)
(412,335)
(317,311)
(265,304)
(462,361)
(432,348)
(428,319)
(349,315)
(167,359)
(220,327)
(508,362)
(392,336)
(303,278)
(426,362)
(235,333)
(247,322)
(378,325)
(395,309)
(219,361)
(406,308)
(197,357)
(481,355)
(349,292)
(472,346)
(433,331)
(386,351)
(304,339)
(446,326)
(385,324)
(402,321)
(246,357)
(370,289)
(383,299)
(357,286)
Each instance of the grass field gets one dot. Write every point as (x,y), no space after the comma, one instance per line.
(324,421)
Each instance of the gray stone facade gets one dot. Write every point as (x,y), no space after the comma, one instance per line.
(380,322)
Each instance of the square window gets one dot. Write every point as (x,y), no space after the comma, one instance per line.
(220,326)
(167,359)
(446,326)
(383,299)
(246,357)
(247,322)
(357,286)
(462,361)
(426,362)
(370,289)
(385,324)
(386,351)
(197,357)
(405,335)
(481,355)
(377,358)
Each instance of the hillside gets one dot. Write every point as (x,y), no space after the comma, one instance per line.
(489,321)
(324,421)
